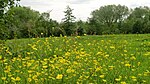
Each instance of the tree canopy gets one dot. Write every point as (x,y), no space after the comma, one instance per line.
(23,22)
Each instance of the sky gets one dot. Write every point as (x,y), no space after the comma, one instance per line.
(82,8)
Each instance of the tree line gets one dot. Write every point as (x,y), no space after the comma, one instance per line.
(23,22)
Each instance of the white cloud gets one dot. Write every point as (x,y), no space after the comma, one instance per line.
(82,8)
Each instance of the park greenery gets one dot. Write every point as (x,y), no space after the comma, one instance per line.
(94,59)
(111,47)
(23,22)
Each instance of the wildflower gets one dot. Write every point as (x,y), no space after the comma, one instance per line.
(84,34)
(0,57)
(133,58)
(3,78)
(102,76)
(29,79)
(12,78)
(139,63)
(65,36)
(98,69)
(44,67)
(104,80)
(17,79)
(133,78)
(112,47)
(111,67)
(30,71)
(59,76)
(144,81)
(70,70)
(117,79)
(123,82)
(125,51)
(127,65)
(78,36)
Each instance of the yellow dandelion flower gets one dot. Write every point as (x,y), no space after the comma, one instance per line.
(102,76)
(127,65)
(30,71)
(104,80)
(144,81)
(78,36)
(133,58)
(111,67)
(139,63)
(3,78)
(59,76)
(112,47)
(98,69)
(125,51)
(69,70)
(117,79)
(123,82)
(17,79)
(133,78)
(44,67)
(0,57)
(29,79)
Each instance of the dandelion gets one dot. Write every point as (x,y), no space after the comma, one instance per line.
(69,70)
(98,69)
(12,78)
(29,79)
(112,47)
(30,71)
(127,65)
(44,67)
(17,79)
(123,82)
(104,80)
(59,76)
(3,78)
(0,57)
(133,78)
(84,34)
(125,51)
(111,67)
(78,36)
(41,33)
(117,79)
(133,58)
(139,63)
(144,81)
(102,76)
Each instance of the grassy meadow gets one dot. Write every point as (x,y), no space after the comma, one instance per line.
(105,59)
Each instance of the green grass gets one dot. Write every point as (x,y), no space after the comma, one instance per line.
(105,59)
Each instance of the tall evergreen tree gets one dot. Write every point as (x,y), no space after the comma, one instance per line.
(68,21)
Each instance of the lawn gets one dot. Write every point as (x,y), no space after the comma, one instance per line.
(104,59)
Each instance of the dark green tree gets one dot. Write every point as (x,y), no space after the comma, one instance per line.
(140,17)
(5,5)
(110,17)
(68,21)
(21,22)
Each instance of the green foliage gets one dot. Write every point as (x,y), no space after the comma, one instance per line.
(68,24)
(23,22)
(109,18)
(5,5)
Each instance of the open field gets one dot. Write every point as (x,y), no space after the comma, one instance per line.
(116,59)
